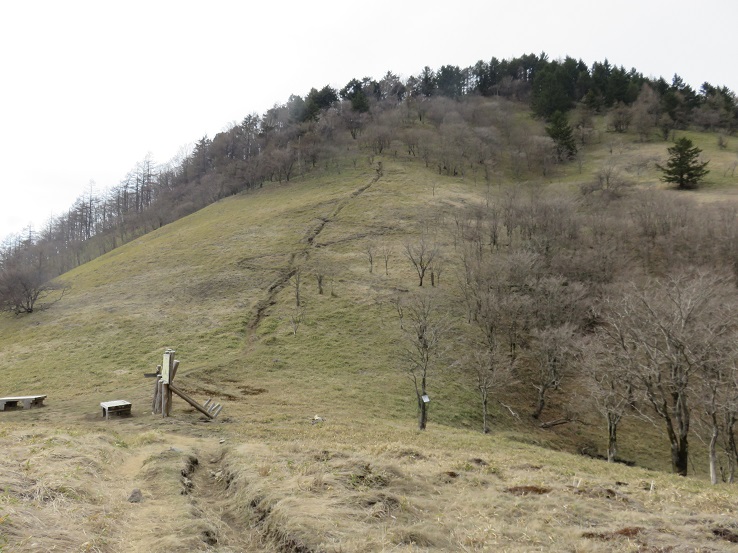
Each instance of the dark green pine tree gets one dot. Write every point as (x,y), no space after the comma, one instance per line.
(354,92)
(563,136)
(684,167)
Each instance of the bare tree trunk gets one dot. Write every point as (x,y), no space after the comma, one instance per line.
(369,250)
(678,449)
(485,414)
(426,328)
(732,453)
(540,403)
(713,456)
(612,438)
(296,283)
(423,415)
(679,456)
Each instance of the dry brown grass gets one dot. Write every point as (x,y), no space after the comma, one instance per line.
(267,478)
(326,491)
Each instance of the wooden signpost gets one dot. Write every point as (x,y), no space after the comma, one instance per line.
(164,388)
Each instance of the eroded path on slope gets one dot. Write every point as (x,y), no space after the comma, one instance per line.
(114,488)
(301,255)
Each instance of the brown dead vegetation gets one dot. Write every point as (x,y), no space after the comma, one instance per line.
(71,491)
(527,490)
(728,535)
(628,532)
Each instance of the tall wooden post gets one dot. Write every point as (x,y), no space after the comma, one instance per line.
(157,409)
(157,391)
(166,373)
(173,364)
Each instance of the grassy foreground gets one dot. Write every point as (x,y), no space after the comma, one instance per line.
(315,449)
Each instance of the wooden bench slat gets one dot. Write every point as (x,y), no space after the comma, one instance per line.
(28,401)
(115,403)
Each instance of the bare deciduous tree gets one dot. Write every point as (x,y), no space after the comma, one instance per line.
(320,277)
(22,286)
(620,118)
(424,329)
(609,182)
(296,319)
(645,112)
(436,269)
(717,399)
(669,330)
(370,250)
(399,305)
(296,283)
(610,387)
(717,383)
(727,438)
(557,301)
(25,278)
(552,358)
(492,372)
(491,367)
(386,251)
(421,255)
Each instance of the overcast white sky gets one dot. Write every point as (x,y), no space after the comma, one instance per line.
(88,88)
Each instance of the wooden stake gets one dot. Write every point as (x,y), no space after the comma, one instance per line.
(156,395)
(157,399)
(165,399)
(172,371)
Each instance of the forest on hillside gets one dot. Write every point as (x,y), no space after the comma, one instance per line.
(630,294)
(438,115)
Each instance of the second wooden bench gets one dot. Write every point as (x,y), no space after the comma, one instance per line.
(117,406)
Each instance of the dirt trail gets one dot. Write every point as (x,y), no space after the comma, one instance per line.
(182,499)
(260,309)
(210,502)
(115,488)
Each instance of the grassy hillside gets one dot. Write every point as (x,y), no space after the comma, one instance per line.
(219,287)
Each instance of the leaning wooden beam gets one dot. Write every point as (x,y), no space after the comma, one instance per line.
(189,400)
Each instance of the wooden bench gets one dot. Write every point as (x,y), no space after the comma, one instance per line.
(27,401)
(117,406)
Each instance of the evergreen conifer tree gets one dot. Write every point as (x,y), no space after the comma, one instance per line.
(563,136)
(684,167)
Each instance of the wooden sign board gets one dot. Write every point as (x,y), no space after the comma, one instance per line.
(166,365)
